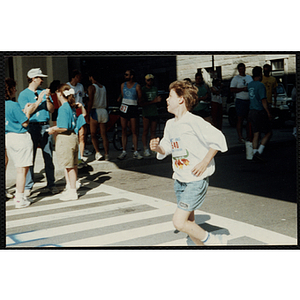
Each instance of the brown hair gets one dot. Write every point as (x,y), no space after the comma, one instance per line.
(9,85)
(186,90)
(71,98)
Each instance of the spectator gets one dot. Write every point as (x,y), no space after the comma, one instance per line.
(238,86)
(202,106)
(67,140)
(131,97)
(17,139)
(193,144)
(150,113)
(270,83)
(259,114)
(217,104)
(97,114)
(38,125)
(82,133)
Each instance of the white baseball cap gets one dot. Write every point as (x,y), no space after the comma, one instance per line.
(37,72)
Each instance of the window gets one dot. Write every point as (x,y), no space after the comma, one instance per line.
(277,67)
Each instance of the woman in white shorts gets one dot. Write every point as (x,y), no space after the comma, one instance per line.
(18,143)
(97,114)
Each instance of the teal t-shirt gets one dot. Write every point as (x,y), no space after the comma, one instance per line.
(41,114)
(149,95)
(66,117)
(257,92)
(14,117)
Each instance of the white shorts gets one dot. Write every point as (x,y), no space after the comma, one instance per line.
(19,148)
(99,114)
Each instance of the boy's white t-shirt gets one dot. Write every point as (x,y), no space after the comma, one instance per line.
(188,140)
(79,92)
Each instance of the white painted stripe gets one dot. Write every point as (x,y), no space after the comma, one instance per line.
(71,214)
(179,242)
(61,204)
(121,236)
(89,225)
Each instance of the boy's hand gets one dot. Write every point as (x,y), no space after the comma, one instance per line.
(154,144)
(199,169)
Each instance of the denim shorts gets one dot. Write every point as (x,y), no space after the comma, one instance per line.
(242,107)
(190,195)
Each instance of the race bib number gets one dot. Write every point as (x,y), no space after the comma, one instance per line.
(124,108)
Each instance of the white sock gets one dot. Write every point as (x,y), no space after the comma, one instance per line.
(261,149)
(254,151)
(206,237)
(19,196)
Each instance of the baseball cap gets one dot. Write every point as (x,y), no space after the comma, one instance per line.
(36,72)
(149,76)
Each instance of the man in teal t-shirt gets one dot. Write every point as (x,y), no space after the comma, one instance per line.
(150,113)
(38,125)
(259,115)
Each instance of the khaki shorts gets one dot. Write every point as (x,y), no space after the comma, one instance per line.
(19,149)
(67,150)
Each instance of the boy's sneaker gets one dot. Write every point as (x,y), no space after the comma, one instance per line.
(216,240)
(21,203)
(147,153)
(98,156)
(136,155)
(122,155)
(8,195)
(69,195)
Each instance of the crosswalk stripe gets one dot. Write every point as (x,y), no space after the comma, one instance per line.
(121,236)
(71,214)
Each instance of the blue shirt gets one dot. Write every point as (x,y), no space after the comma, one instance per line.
(41,114)
(257,92)
(14,117)
(66,117)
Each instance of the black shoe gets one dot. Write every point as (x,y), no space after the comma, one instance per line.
(257,157)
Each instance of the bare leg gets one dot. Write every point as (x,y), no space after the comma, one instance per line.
(104,137)
(124,123)
(239,127)
(153,129)
(21,178)
(72,177)
(133,123)
(93,129)
(182,223)
(255,140)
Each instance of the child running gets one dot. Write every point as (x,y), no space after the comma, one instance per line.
(66,140)
(193,143)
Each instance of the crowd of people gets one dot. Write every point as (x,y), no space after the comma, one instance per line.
(72,118)
(193,137)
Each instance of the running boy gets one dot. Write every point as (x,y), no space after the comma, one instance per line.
(193,143)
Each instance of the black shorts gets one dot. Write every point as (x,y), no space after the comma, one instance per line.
(259,121)
(132,112)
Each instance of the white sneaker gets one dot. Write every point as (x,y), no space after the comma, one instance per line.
(9,195)
(122,155)
(87,152)
(137,155)
(216,239)
(98,156)
(147,153)
(106,157)
(21,203)
(69,195)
